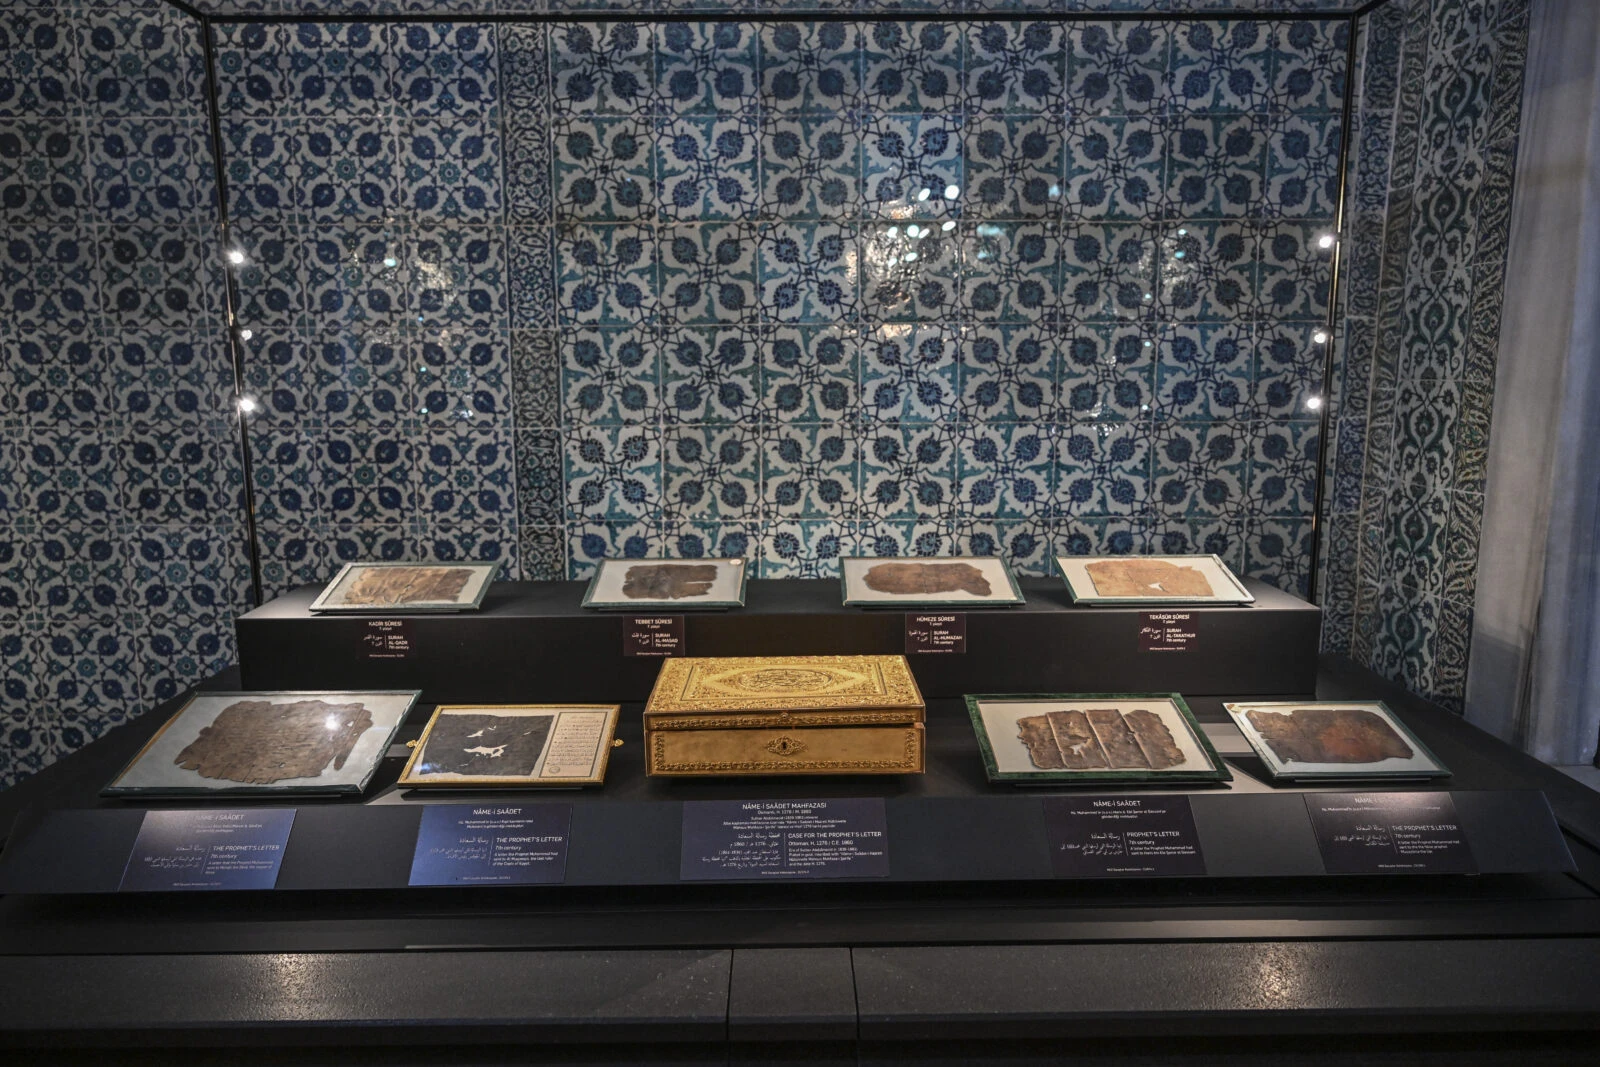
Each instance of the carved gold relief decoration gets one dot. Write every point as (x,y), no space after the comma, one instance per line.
(786,746)
(772,683)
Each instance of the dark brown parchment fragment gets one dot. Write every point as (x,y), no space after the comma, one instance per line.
(396,586)
(1080,750)
(258,742)
(1154,738)
(925,578)
(1329,735)
(1122,750)
(1101,739)
(668,581)
(1043,750)
(486,745)
(1146,577)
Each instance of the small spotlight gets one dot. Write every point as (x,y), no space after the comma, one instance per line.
(245,335)
(948,226)
(913,231)
(235,256)
(1325,241)
(1314,402)
(1321,337)
(389,261)
(1177,255)
(924,194)
(909,256)
(1183,233)
(952,191)
(248,405)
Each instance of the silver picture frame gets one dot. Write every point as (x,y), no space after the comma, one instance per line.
(1401,754)
(335,596)
(855,593)
(726,589)
(197,754)
(1226,590)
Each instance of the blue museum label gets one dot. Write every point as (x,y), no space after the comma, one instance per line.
(760,839)
(491,844)
(1389,833)
(211,849)
(1123,837)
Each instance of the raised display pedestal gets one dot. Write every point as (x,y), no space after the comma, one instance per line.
(938,954)
(532,642)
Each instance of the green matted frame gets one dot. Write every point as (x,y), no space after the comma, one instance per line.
(658,605)
(323,605)
(1016,599)
(1218,771)
(1095,600)
(1278,772)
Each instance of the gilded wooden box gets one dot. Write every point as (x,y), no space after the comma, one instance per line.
(723,716)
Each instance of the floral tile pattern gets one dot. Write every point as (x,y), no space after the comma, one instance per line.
(546,293)
(1438,104)
(120,508)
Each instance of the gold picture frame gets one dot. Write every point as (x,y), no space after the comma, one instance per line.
(591,728)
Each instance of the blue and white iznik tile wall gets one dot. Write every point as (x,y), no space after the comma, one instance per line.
(122,559)
(365,171)
(544,293)
(468,8)
(548,293)
(1438,120)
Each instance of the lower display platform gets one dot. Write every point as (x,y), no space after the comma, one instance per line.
(935,949)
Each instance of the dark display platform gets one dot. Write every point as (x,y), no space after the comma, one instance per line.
(947,826)
(533,637)
(973,938)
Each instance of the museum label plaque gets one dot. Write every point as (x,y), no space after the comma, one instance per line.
(1389,833)
(388,639)
(1167,631)
(654,635)
(760,839)
(215,849)
(936,632)
(1123,837)
(491,844)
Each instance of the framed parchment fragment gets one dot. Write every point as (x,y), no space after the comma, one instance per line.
(678,584)
(399,588)
(267,743)
(1333,739)
(500,746)
(1092,739)
(929,582)
(1130,581)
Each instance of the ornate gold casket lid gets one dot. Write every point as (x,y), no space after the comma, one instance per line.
(793,690)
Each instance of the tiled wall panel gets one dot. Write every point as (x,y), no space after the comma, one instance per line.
(549,293)
(467,8)
(122,557)
(1438,128)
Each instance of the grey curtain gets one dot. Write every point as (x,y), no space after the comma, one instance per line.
(1534,674)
